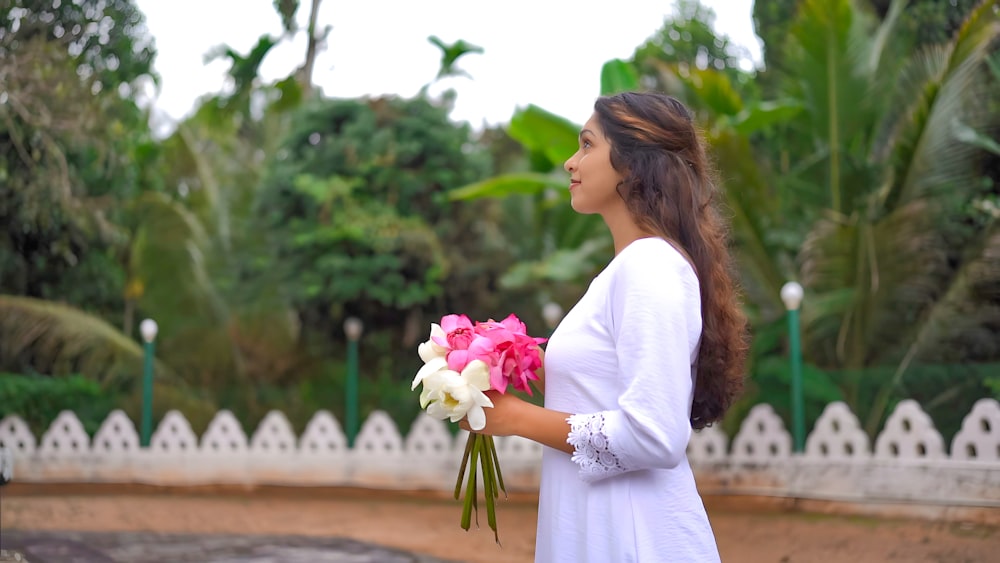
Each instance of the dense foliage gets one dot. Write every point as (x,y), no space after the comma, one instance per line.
(73,145)
(39,400)
(355,207)
(861,160)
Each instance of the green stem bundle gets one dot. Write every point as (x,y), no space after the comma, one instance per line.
(481,451)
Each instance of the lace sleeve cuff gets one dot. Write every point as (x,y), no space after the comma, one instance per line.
(592,450)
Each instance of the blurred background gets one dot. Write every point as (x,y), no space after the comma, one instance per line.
(253,175)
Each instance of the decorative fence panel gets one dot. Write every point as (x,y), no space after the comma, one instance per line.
(909,463)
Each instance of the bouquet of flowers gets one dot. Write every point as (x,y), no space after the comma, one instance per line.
(463,359)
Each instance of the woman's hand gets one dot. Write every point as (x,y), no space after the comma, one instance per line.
(506,416)
(513,416)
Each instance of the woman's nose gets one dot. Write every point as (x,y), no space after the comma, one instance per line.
(570,164)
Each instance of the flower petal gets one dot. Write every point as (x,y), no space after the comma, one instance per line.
(436,330)
(514,324)
(429,350)
(477,418)
(451,323)
(432,388)
(436,410)
(477,374)
(481,399)
(481,346)
(497,381)
(458,359)
(428,368)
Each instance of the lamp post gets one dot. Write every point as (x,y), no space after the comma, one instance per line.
(148,330)
(791,294)
(353,328)
(552,313)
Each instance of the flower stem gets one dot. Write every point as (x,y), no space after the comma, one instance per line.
(470,491)
(465,463)
(496,461)
(480,457)
(490,485)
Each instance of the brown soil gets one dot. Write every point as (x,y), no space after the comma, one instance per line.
(748,530)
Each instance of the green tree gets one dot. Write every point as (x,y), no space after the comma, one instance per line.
(564,249)
(226,324)
(879,168)
(106,40)
(856,179)
(687,42)
(923,22)
(929,22)
(45,337)
(355,205)
(73,147)
(160,226)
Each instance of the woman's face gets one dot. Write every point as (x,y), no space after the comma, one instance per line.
(593,181)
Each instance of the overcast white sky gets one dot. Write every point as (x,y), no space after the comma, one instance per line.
(545,52)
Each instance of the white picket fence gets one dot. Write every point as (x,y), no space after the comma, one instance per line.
(909,463)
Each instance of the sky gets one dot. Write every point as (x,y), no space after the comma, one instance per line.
(543,52)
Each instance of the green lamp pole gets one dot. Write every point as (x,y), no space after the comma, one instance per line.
(791,294)
(353,328)
(148,330)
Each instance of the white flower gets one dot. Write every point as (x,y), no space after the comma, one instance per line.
(430,349)
(432,365)
(453,395)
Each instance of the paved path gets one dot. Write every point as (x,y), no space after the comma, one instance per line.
(145,547)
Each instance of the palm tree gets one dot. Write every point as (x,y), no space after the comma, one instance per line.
(856,179)
(194,245)
(187,246)
(895,272)
(51,337)
(860,189)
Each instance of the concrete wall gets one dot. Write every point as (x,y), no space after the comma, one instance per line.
(909,468)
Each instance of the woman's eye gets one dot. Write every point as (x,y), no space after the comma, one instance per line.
(585,144)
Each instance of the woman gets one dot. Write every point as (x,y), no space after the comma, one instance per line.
(654,348)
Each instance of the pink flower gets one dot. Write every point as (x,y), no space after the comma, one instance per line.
(462,361)
(480,348)
(459,332)
(517,354)
(460,343)
(513,357)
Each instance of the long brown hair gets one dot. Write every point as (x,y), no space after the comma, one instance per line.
(670,189)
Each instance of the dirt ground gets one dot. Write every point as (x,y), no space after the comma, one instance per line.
(748,530)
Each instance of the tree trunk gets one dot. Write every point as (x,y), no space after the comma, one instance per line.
(311,49)
(127,317)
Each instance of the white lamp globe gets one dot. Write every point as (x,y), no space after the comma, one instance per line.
(552,313)
(791,294)
(353,327)
(148,330)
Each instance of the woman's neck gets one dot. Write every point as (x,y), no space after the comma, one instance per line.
(624,230)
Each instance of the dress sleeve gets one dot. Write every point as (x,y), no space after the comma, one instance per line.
(654,316)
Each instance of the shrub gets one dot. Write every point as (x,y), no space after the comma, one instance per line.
(39,399)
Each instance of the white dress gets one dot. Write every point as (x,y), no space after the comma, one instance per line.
(621,363)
